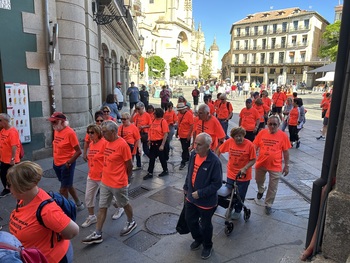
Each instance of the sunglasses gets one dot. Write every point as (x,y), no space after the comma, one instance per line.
(99,120)
(123,119)
(106,111)
(272,124)
(91,132)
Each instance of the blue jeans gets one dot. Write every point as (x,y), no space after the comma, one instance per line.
(242,191)
(224,125)
(68,257)
(65,175)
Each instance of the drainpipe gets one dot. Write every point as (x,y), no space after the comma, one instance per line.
(50,73)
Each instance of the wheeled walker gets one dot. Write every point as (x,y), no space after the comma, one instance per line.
(229,196)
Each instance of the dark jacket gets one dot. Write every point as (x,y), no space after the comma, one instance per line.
(208,181)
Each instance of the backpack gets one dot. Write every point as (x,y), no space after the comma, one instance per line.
(67,206)
(28,255)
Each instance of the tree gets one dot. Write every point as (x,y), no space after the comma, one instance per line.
(177,67)
(205,69)
(331,40)
(156,66)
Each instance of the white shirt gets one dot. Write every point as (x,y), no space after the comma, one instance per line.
(119,94)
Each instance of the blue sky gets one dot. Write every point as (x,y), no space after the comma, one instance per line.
(217,16)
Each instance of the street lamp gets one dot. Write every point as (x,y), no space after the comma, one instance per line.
(100,18)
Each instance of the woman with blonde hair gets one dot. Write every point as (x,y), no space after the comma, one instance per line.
(23,179)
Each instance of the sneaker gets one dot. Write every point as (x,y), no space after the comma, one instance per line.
(322,138)
(206,253)
(129,226)
(235,215)
(182,166)
(164,173)
(268,210)
(94,238)
(118,213)
(80,207)
(148,176)
(298,144)
(89,221)
(136,168)
(259,195)
(4,193)
(195,245)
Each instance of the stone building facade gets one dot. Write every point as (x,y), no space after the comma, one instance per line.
(71,71)
(278,46)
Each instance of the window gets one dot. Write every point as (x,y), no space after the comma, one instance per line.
(261,70)
(294,40)
(295,25)
(253,70)
(236,70)
(302,56)
(246,44)
(283,42)
(271,58)
(291,56)
(236,58)
(244,58)
(238,31)
(274,28)
(264,44)
(237,45)
(265,29)
(243,70)
(273,43)
(256,30)
(151,1)
(304,39)
(254,44)
(281,57)
(253,58)
(262,58)
(272,70)
(306,23)
(247,31)
(284,27)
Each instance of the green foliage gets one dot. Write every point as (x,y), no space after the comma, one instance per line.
(205,69)
(177,67)
(156,67)
(331,38)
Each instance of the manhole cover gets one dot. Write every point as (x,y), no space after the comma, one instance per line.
(141,241)
(162,223)
(49,173)
(136,192)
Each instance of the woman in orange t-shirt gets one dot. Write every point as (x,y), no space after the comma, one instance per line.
(106,114)
(95,162)
(293,123)
(23,179)
(171,118)
(157,136)
(242,156)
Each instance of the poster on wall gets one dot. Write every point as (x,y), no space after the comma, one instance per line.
(18,109)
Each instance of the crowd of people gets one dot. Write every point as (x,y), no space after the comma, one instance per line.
(115,140)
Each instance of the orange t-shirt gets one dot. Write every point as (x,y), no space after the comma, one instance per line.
(223,110)
(9,138)
(289,95)
(142,120)
(63,145)
(95,159)
(197,163)
(328,110)
(185,121)
(157,130)
(114,173)
(279,99)
(267,101)
(129,133)
(170,117)
(293,116)
(211,108)
(213,128)
(325,103)
(262,109)
(216,103)
(271,149)
(24,225)
(249,118)
(239,156)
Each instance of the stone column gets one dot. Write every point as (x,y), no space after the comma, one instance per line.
(108,76)
(73,64)
(232,74)
(124,84)
(118,71)
(248,74)
(266,77)
(285,75)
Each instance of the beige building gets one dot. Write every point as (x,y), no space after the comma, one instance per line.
(169,31)
(275,46)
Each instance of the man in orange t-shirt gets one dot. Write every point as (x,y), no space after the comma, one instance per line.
(239,166)
(249,119)
(116,174)
(224,113)
(272,143)
(209,124)
(184,131)
(9,149)
(278,100)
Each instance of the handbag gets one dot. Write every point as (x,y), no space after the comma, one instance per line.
(182,227)
(144,137)
(28,255)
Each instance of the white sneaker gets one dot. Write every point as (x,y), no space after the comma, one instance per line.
(118,213)
(129,227)
(89,221)
(80,207)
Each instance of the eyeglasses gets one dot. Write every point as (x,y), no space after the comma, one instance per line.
(272,124)
(106,111)
(123,119)
(91,132)
(54,122)
(99,120)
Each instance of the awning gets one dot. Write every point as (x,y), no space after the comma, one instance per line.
(326,68)
(328,77)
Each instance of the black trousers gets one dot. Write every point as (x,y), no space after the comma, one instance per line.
(293,133)
(185,144)
(154,152)
(250,135)
(3,172)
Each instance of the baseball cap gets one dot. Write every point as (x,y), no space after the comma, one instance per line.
(181,106)
(57,116)
(248,101)
(119,83)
